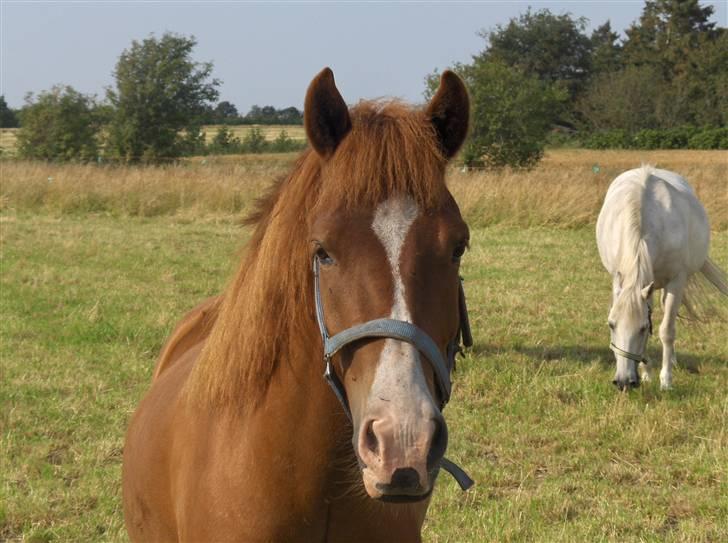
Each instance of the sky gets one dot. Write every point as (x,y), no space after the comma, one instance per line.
(266,53)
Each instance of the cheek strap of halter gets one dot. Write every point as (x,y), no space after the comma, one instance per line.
(403,331)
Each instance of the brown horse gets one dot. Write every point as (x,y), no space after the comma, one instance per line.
(240,438)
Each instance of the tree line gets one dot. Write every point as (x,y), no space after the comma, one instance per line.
(226,113)
(540,79)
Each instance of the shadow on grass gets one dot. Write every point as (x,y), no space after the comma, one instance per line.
(586,355)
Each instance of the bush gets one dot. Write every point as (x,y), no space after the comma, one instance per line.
(709,138)
(285,144)
(224,142)
(684,137)
(61,124)
(608,139)
(672,138)
(254,141)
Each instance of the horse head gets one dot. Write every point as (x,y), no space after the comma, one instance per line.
(630,326)
(386,259)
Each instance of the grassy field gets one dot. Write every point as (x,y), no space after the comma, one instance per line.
(91,284)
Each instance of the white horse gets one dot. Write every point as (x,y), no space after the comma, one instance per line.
(652,233)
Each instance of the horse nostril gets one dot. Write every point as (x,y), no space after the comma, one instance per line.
(634,384)
(405,478)
(372,443)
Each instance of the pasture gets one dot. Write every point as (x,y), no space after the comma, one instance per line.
(98,263)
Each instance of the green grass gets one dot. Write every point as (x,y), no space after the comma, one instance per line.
(557,454)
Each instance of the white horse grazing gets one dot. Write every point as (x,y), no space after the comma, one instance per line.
(652,233)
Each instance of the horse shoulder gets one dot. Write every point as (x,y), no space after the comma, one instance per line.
(192,329)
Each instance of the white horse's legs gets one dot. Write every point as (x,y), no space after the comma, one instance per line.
(671,299)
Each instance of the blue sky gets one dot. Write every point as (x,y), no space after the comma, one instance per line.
(266,53)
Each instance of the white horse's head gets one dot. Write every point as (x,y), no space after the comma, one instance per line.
(630,325)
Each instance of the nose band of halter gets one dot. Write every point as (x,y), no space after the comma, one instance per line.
(403,331)
(631,356)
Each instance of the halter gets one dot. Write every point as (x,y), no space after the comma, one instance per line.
(633,356)
(403,331)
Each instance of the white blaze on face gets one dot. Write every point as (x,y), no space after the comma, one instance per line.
(399,378)
(392,221)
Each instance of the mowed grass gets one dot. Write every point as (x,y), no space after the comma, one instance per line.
(557,453)
(8,136)
(98,263)
(270,131)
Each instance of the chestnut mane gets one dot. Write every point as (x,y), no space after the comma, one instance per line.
(267,311)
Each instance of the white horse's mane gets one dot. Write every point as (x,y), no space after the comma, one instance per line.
(635,265)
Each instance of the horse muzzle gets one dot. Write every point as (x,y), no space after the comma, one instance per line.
(400,461)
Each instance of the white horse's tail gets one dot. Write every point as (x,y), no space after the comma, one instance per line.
(697,297)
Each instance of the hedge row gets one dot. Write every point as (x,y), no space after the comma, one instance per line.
(686,137)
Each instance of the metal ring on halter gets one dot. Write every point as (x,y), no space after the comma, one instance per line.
(403,331)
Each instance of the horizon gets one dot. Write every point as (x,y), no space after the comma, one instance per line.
(412,40)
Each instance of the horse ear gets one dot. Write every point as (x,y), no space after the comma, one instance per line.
(449,111)
(326,116)
(647,291)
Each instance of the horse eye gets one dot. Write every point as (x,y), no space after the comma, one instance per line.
(323,256)
(459,251)
(643,328)
(611,325)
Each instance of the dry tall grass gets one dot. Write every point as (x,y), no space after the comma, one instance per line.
(565,190)
(568,186)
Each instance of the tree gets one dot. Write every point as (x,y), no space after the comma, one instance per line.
(704,82)
(690,59)
(226,113)
(8,117)
(626,100)
(665,33)
(290,115)
(511,114)
(60,124)
(160,95)
(553,47)
(606,53)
